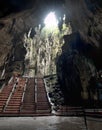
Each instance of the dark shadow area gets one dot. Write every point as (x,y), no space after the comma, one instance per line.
(77,74)
(13,6)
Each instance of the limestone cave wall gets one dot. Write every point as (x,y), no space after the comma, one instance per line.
(85,42)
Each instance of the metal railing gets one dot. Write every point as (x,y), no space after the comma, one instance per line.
(23,95)
(11,93)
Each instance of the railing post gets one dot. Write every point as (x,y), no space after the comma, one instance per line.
(85,120)
(35,91)
(12,91)
(23,94)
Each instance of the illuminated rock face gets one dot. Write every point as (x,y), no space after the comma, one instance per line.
(44,48)
(84,15)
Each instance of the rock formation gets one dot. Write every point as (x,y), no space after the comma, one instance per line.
(81,52)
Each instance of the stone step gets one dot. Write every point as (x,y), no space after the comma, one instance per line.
(1,107)
(2,102)
(14,98)
(3,99)
(43,111)
(13,106)
(27,112)
(16,103)
(2,94)
(11,112)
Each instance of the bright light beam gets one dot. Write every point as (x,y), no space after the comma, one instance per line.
(51,21)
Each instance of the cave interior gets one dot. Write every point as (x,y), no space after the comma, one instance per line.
(71,48)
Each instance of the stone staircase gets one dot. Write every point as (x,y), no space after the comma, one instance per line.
(24,97)
(27,97)
(14,102)
(42,105)
(28,105)
(4,95)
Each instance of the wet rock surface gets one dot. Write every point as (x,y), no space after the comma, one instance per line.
(49,123)
(54,92)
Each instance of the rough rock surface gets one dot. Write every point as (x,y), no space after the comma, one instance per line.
(85,17)
(18,16)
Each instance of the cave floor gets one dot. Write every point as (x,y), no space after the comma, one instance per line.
(49,123)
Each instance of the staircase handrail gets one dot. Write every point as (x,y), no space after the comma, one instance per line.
(24,90)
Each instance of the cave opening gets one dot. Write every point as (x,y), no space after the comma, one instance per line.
(45,45)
